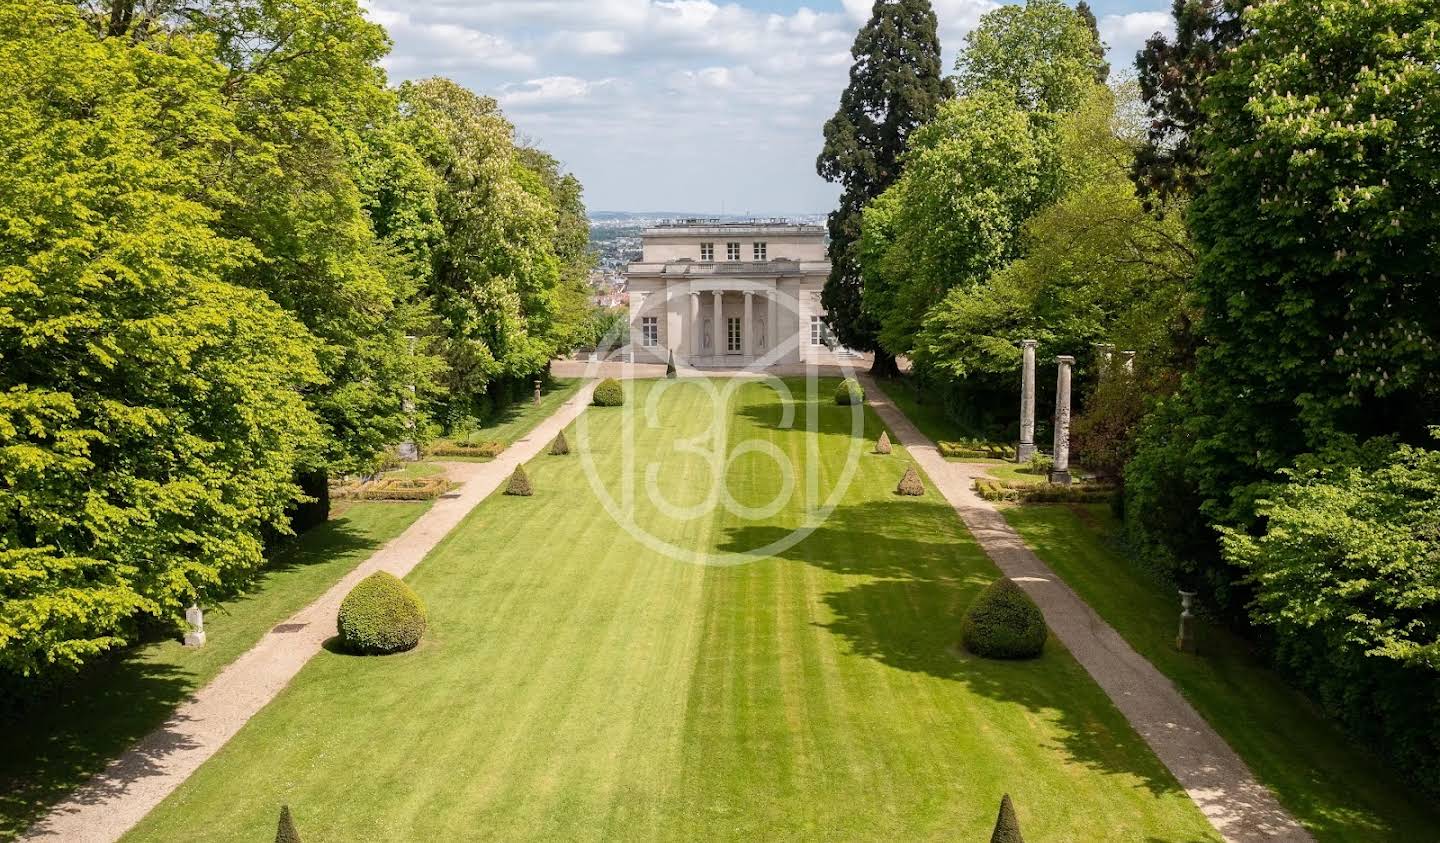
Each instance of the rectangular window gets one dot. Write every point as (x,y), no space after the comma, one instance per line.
(733,341)
(649,331)
(732,251)
(760,250)
(707,251)
(819,331)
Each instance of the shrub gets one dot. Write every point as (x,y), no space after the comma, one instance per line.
(465,449)
(1004,623)
(974,449)
(519,483)
(559,447)
(997,491)
(1041,464)
(609,393)
(883,445)
(910,484)
(380,615)
(285,832)
(849,392)
(670,366)
(1007,826)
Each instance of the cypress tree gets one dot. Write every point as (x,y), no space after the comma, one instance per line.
(1007,827)
(895,86)
(285,832)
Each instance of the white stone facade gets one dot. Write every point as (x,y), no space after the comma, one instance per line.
(758,282)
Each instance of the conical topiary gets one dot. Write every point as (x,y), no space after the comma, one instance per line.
(286,832)
(559,447)
(519,483)
(883,445)
(670,366)
(910,484)
(1007,827)
(1004,623)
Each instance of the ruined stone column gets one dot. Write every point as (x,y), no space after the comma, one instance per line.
(1107,355)
(1061,473)
(715,329)
(195,620)
(697,327)
(1027,403)
(747,327)
(1129,358)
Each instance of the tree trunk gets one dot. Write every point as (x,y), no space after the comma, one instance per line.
(884,365)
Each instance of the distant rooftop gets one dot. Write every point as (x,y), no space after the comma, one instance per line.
(730,222)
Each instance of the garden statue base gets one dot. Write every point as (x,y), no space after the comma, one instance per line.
(1185,642)
(407,451)
(1024,452)
(1060,477)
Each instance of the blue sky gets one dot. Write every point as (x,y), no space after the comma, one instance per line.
(679,105)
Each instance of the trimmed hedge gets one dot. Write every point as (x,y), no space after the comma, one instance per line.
(910,484)
(285,832)
(882,446)
(465,449)
(559,447)
(519,483)
(997,491)
(670,366)
(1007,825)
(1004,623)
(380,615)
(609,393)
(974,449)
(849,392)
(394,489)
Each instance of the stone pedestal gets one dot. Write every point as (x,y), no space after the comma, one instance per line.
(537,393)
(1061,473)
(195,618)
(1106,353)
(1129,358)
(1186,642)
(1026,450)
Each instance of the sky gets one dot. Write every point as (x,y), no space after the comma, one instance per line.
(702,106)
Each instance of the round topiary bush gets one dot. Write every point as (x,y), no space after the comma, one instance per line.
(1004,623)
(380,615)
(850,392)
(609,393)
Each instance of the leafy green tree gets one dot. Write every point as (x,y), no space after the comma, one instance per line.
(1316,235)
(1172,76)
(895,86)
(1043,53)
(151,413)
(1098,46)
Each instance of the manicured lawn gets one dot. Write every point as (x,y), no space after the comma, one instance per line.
(513,422)
(578,684)
(1331,785)
(1014,473)
(928,416)
(61,746)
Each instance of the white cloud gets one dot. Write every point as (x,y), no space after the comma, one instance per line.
(593,42)
(1126,34)
(550,89)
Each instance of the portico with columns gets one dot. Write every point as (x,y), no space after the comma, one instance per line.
(728,295)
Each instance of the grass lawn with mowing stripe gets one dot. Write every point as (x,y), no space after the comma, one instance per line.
(55,749)
(578,684)
(1328,783)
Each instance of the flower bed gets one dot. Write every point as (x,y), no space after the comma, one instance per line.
(446,448)
(393,489)
(1000,491)
(974,449)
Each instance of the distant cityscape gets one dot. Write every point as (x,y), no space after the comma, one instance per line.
(615,236)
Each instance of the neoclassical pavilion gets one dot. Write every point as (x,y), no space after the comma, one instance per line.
(729,294)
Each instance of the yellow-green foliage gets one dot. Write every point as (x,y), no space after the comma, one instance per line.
(849,392)
(609,393)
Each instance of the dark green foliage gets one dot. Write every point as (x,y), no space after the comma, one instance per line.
(896,85)
(1172,75)
(1007,826)
(560,447)
(312,513)
(1104,434)
(286,832)
(882,445)
(1097,47)
(519,484)
(609,393)
(849,392)
(1004,623)
(670,366)
(910,485)
(380,615)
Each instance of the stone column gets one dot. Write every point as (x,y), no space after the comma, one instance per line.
(1027,402)
(772,324)
(717,331)
(697,326)
(195,619)
(1129,358)
(1061,472)
(747,327)
(1107,354)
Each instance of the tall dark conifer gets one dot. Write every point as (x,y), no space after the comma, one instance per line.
(1102,67)
(895,86)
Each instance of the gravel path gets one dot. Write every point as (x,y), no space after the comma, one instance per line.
(1239,807)
(117,798)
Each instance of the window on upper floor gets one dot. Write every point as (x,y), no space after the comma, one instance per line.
(732,251)
(707,251)
(760,251)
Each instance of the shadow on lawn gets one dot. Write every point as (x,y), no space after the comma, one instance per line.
(907,616)
(70,732)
